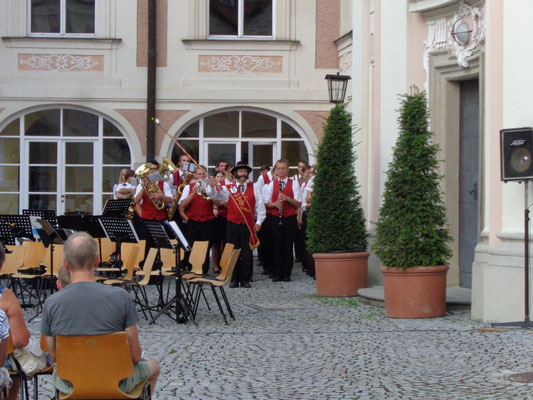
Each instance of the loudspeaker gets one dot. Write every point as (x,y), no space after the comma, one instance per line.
(516,154)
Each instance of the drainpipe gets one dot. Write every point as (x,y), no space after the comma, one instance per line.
(150,86)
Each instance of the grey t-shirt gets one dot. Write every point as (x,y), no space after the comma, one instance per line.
(88,308)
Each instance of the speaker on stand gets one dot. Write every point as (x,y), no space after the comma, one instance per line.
(516,146)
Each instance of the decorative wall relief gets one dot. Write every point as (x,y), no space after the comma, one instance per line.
(240,64)
(345,63)
(60,63)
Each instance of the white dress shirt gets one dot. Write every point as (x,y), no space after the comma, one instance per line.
(223,195)
(166,190)
(118,186)
(269,189)
(261,182)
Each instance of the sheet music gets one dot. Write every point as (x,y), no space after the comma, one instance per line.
(179,235)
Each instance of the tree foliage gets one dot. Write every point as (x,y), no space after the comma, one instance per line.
(336,219)
(412,228)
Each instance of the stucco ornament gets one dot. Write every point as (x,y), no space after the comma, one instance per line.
(59,62)
(240,64)
(477,35)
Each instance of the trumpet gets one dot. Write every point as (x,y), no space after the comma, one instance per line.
(202,189)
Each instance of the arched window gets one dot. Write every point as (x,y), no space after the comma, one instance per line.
(241,135)
(62,159)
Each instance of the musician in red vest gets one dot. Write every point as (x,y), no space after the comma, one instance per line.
(148,201)
(246,213)
(176,179)
(265,250)
(198,208)
(282,199)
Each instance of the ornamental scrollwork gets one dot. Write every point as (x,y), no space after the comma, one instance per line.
(240,64)
(58,62)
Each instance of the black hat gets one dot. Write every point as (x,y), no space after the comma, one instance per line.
(240,165)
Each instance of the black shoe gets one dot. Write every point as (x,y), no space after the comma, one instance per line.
(182,319)
(287,279)
(246,285)
(234,284)
(277,279)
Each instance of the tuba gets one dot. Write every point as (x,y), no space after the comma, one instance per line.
(167,167)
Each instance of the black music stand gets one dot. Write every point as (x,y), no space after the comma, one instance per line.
(21,225)
(48,215)
(6,235)
(119,230)
(116,207)
(49,237)
(161,240)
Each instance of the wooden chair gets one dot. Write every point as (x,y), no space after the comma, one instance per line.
(18,372)
(196,259)
(220,283)
(130,256)
(13,261)
(95,365)
(224,260)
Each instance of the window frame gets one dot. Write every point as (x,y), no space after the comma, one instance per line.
(240,27)
(62,23)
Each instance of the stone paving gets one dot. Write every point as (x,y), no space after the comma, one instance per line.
(288,343)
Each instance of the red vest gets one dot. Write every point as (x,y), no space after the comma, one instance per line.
(148,209)
(266,179)
(176,178)
(233,211)
(200,209)
(288,208)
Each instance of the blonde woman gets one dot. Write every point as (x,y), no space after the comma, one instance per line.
(124,189)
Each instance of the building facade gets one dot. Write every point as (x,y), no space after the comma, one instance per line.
(235,80)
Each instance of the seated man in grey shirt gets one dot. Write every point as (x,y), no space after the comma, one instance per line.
(85,307)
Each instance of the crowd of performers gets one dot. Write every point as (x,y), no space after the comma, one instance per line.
(269,214)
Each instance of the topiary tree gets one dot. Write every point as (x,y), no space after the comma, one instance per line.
(336,220)
(412,228)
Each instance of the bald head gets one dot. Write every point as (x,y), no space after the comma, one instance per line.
(80,252)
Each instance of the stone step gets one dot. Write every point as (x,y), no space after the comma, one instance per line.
(456,297)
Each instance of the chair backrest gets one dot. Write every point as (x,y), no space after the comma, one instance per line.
(108,247)
(58,259)
(14,260)
(231,264)
(168,259)
(197,256)
(34,254)
(140,255)
(148,265)
(224,259)
(94,364)
(129,256)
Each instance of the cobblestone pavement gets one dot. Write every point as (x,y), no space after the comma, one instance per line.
(288,343)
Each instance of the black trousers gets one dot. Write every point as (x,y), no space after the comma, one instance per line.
(239,236)
(283,236)
(267,243)
(201,231)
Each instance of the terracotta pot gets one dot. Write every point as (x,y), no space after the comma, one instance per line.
(418,292)
(340,274)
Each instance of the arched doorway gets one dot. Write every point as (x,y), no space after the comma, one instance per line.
(63,159)
(255,137)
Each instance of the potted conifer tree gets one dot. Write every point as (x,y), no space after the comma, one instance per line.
(336,232)
(411,232)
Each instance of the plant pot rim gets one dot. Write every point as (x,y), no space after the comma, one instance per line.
(414,270)
(342,254)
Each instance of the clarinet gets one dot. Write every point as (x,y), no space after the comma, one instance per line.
(281,204)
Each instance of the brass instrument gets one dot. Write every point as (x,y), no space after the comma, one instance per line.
(202,189)
(151,187)
(131,208)
(172,210)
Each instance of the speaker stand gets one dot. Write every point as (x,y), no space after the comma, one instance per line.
(526,323)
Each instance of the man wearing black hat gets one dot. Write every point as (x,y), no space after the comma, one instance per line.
(246,213)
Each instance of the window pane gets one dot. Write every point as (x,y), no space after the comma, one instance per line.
(294,152)
(9,179)
(258,125)
(257,18)
(110,177)
(45,16)
(9,150)
(78,179)
(222,125)
(42,123)
(191,131)
(116,151)
(79,203)
(262,155)
(80,16)
(110,129)
(79,123)
(43,153)
(220,151)
(192,147)
(43,179)
(9,204)
(78,153)
(288,132)
(223,17)
(43,201)
(11,129)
